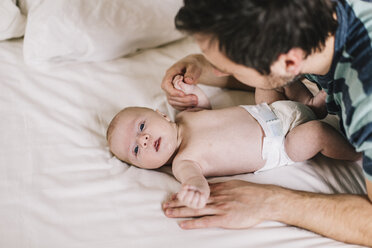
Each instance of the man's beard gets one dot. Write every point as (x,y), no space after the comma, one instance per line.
(279,81)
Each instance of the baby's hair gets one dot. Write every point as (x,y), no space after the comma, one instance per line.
(114,122)
(112,126)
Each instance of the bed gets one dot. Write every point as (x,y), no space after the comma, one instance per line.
(60,87)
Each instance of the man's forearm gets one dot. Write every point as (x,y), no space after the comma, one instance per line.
(346,218)
(208,77)
(228,82)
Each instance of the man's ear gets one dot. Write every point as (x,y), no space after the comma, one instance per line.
(162,114)
(290,63)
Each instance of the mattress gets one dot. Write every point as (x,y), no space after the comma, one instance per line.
(61,187)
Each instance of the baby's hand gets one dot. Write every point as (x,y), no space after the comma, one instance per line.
(194,192)
(203,101)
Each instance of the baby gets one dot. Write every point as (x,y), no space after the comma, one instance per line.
(227,141)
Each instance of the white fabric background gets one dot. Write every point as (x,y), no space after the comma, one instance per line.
(65,31)
(60,186)
(12,21)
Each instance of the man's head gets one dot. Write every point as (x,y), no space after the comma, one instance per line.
(254,33)
(142,137)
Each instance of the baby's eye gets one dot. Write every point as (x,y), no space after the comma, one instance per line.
(142,126)
(136,150)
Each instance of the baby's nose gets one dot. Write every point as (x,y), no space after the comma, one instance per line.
(144,140)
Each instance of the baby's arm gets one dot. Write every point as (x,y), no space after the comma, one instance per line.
(195,189)
(298,92)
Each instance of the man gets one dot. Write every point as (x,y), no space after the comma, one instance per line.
(266,44)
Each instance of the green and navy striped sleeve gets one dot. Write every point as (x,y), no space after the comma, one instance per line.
(349,81)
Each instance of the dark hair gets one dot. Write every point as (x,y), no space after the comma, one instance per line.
(255,32)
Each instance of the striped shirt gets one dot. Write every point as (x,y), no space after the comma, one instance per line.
(349,81)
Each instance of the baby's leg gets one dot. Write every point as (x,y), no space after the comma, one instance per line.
(306,140)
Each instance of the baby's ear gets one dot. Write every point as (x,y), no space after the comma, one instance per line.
(162,114)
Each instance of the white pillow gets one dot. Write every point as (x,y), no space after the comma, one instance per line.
(12,22)
(59,31)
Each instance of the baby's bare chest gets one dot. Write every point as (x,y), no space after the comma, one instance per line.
(224,147)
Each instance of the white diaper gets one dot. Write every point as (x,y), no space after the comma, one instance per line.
(276,121)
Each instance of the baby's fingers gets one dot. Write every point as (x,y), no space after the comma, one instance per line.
(181,194)
(197,200)
(189,197)
(202,201)
(185,190)
(194,201)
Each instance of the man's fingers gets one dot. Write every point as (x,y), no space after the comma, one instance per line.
(184,212)
(168,87)
(201,202)
(219,188)
(187,99)
(192,74)
(181,104)
(203,222)
(215,186)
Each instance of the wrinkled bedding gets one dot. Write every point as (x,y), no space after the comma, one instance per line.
(61,187)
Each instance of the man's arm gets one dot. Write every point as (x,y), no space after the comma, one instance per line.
(195,69)
(347,218)
(369,189)
(239,204)
(211,76)
(367,167)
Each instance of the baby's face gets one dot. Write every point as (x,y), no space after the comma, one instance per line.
(144,138)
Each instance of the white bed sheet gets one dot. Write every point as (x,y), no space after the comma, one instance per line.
(60,186)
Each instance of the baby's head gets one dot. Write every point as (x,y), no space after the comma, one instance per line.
(142,137)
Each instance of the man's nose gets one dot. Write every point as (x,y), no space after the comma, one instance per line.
(143,140)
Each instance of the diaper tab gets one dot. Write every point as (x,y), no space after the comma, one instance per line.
(268,120)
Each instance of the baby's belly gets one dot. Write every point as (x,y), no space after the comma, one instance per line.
(230,145)
(233,164)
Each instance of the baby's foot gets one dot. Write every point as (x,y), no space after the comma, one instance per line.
(203,101)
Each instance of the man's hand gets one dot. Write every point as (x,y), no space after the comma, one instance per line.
(202,98)
(234,205)
(191,67)
(239,204)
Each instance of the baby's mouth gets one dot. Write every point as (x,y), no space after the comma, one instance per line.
(157,144)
